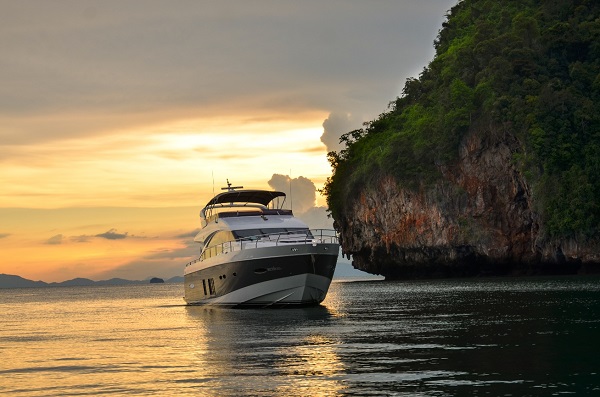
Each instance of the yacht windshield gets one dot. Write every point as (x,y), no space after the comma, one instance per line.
(255,234)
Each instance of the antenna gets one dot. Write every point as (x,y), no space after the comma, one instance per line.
(213,176)
(231,188)
(291,197)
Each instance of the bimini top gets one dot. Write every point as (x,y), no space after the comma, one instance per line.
(263,197)
(242,198)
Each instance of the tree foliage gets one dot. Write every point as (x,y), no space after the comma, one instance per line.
(528,66)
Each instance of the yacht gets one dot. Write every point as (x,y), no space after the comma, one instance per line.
(253,252)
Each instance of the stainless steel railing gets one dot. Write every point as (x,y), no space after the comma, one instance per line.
(312,236)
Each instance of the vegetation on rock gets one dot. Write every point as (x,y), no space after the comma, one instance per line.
(528,68)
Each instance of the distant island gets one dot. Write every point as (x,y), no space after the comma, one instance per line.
(13,281)
(156,280)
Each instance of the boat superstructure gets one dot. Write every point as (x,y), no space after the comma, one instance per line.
(255,253)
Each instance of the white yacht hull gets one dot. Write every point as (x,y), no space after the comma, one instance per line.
(294,290)
(290,275)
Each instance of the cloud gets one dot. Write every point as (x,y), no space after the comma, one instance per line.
(84,238)
(81,239)
(190,234)
(191,248)
(337,124)
(112,235)
(164,263)
(304,200)
(316,218)
(55,240)
(80,68)
(4,235)
(303,193)
(109,235)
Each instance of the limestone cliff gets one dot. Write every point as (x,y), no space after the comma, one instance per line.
(477,220)
(489,163)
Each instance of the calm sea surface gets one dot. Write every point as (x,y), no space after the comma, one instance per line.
(498,337)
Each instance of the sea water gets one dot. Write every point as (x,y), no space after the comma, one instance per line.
(478,337)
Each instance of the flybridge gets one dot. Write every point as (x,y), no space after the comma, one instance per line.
(263,197)
(242,199)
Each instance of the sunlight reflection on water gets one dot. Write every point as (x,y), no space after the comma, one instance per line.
(427,338)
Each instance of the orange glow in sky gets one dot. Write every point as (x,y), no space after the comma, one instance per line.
(163,175)
(168,165)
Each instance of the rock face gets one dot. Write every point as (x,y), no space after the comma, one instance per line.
(479,219)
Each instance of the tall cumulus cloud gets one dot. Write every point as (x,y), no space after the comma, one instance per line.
(302,200)
(337,124)
(301,192)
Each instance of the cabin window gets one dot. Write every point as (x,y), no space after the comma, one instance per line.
(254,234)
(221,237)
(211,286)
(204,286)
(215,245)
(249,234)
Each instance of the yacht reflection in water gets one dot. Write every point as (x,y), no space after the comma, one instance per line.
(266,352)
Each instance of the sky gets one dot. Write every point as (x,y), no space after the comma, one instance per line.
(119,119)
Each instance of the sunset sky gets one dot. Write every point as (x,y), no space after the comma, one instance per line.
(115,116)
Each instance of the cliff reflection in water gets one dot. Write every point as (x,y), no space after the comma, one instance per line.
(271,352)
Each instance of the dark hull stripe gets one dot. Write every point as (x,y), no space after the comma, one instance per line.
(231,276)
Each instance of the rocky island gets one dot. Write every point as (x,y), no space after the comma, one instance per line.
(489,163)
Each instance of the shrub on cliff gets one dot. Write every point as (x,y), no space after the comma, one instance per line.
(529,68)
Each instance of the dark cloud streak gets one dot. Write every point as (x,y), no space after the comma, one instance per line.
(112,235)
(55,240)
(161,262)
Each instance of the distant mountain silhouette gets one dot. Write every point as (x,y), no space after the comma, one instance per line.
(176,279)
(74,282)
(344,270)
(13,281)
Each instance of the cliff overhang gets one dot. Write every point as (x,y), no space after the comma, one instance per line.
(478,219)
